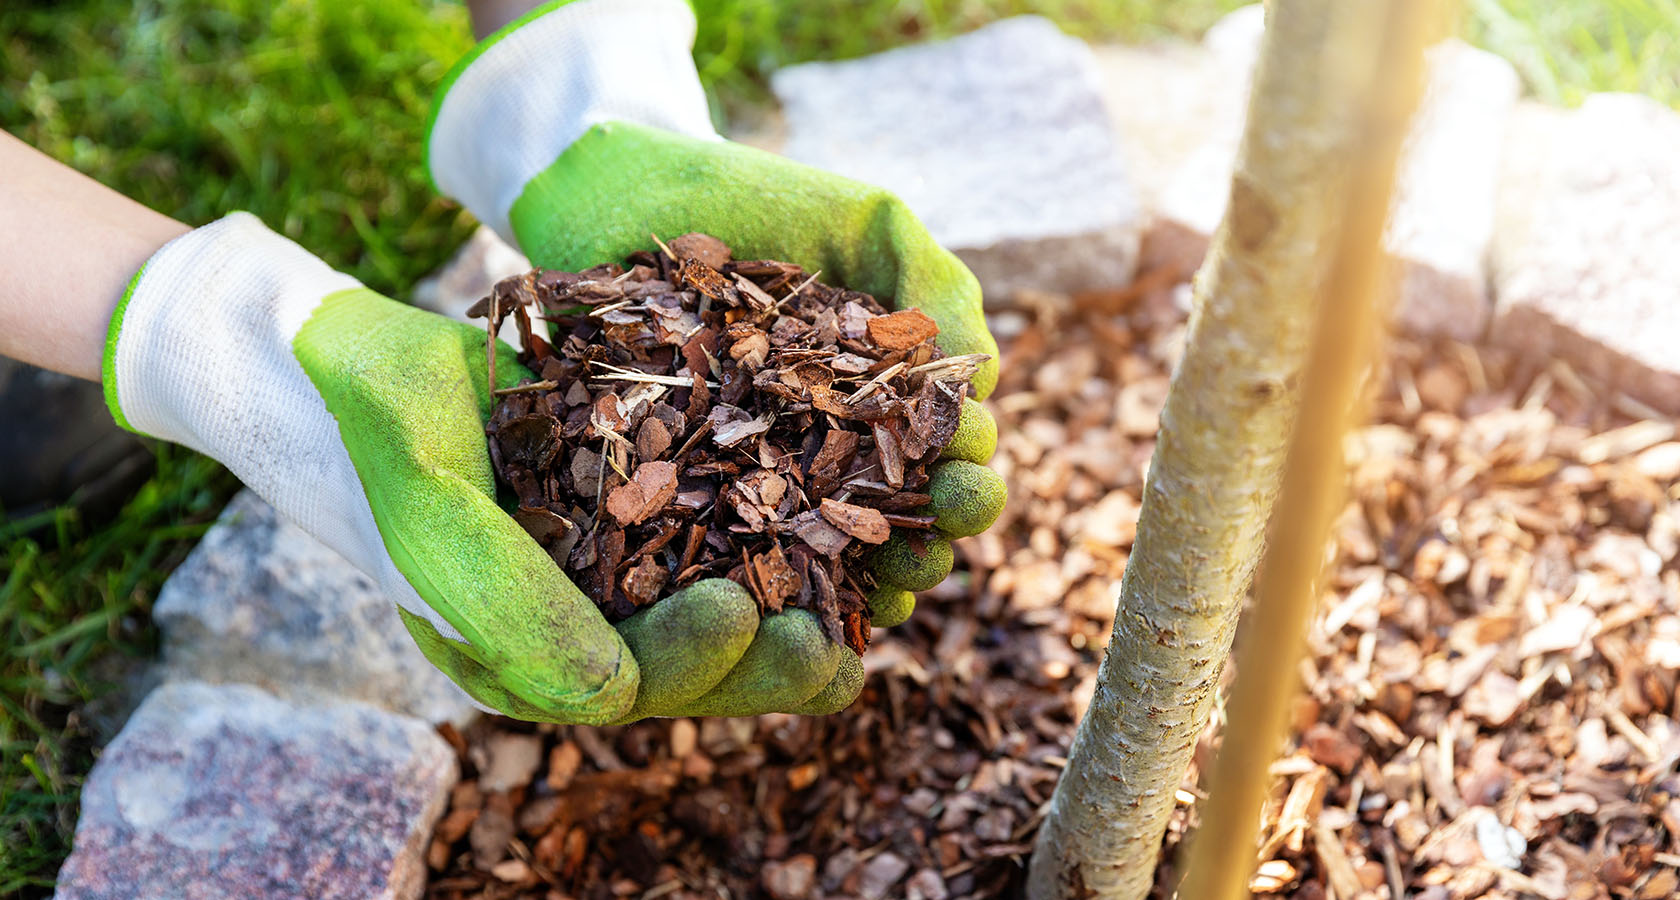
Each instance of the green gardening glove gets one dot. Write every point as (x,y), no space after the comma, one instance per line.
(362,420)
(627,180)
(580,131)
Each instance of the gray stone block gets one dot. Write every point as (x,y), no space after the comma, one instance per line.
(1441,227)
(262,602)
(216,791)
(1162,98)
(1442,223)
(996,139)
(1193,192)
(1585,260)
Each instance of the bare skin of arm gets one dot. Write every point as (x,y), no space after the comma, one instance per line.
(68,247)
(489,15)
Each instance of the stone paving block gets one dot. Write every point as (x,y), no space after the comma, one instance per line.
(1587,258)
(1444,207)
(1442,225)
(997,139)
(260,601)
(1162,98)
(218,791)
(1193,190)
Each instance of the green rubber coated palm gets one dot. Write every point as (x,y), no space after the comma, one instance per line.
(409,392)
(620,183)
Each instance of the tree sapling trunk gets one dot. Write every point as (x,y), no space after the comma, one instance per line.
(1224,435)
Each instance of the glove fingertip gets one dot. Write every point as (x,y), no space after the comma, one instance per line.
(608,701)
(897,562)
(967,498)
(890,605)
(790,661)
(977,434)
(687,643)
(840,692)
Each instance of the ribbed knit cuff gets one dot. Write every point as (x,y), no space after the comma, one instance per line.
(518,100)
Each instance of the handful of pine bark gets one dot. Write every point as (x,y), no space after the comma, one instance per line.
(700,416)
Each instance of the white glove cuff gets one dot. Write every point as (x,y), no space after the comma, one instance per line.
(532,90)
(201,355)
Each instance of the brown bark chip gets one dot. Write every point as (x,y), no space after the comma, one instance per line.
(901,330)
(861,522)
(654,485)
(700,416)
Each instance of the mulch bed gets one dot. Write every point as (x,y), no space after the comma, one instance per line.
(1492,681)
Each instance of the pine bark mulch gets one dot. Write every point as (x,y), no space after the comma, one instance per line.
(699,416)
(1490,707)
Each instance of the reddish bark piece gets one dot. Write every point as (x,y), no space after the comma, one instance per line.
(692,273)
(830,401)
(899,520)
(607,414)
(542,524)
(703,247)
(838,448)
(861,522)
(851,364)
(889,453)
(819,534)
(653,485)
(644,580)
(1328,746)
(755,296)
(625,503)
(776,580)
(652,439)
(901,330)
(609,549)
(751,349)
(856,625)
(700,350)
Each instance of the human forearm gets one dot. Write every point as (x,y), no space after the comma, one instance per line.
(489,15)
(68,247)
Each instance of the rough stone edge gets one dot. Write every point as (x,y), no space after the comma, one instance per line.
(181,632)
(1105,258)
(405,882)
(1531,331)
(998,265)
(1537,336)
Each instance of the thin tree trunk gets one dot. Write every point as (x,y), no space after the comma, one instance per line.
(1221,860)
(1224,435)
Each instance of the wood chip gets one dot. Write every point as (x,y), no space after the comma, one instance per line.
(901,330)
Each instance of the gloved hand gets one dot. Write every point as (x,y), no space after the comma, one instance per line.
(362,420)
(581,129)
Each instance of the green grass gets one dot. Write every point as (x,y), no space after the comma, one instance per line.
(1566,50)
(74,600)
(309,115)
